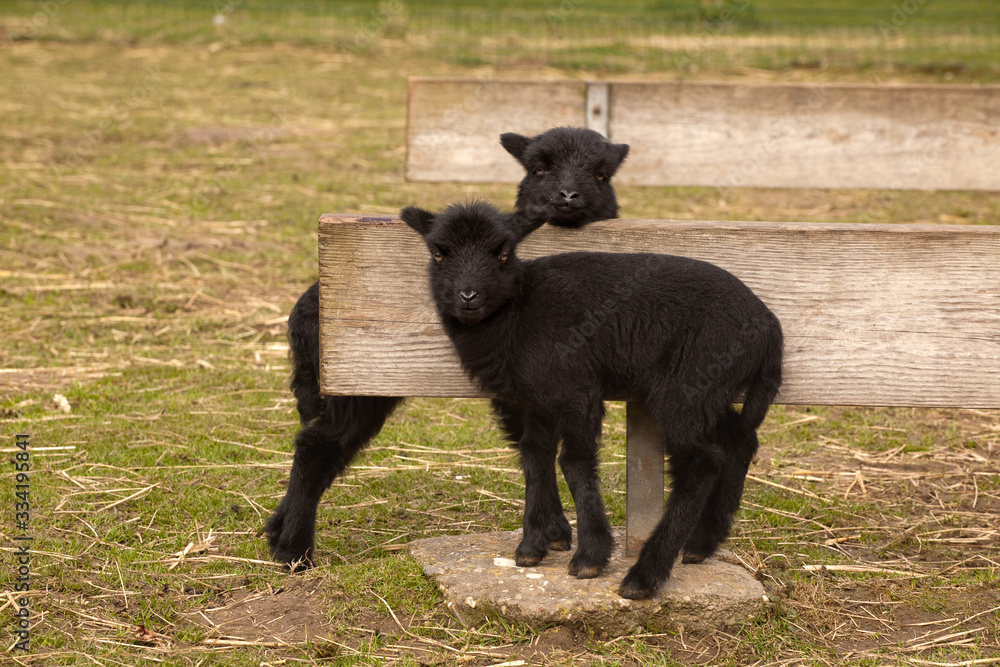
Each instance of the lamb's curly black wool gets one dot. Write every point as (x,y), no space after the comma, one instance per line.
(553,337)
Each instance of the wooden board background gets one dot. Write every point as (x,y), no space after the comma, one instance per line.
(454,125)
(721,134)
(873,315)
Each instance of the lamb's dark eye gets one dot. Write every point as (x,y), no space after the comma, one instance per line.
(540,171)
(438,257)
(502,256)
(600,177)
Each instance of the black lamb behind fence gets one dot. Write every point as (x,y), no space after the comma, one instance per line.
(567,182)
(553,337)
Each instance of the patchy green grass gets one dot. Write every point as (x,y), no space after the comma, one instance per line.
(949,41)
(158,206)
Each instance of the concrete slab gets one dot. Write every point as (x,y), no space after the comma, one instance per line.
(478,576)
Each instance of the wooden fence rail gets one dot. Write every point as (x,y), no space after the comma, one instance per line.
(927,137)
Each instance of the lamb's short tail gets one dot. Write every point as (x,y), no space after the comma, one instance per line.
(764,387)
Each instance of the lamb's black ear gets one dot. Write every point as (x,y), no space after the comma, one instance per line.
(515,144)
(618,153)
(418,219)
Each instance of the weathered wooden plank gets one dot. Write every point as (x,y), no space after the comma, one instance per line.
(905,315)
(454,125)
(722,134)
(922,137)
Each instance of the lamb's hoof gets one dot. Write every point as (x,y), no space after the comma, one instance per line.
(294,550)
(294,559)
(634,588)
(526,556)
(583,570)
(634,592)
(692,559)
(559,534)
(560,545)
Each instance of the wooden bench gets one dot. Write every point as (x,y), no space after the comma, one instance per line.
(873,315)
(927,137)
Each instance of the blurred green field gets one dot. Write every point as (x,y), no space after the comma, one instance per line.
(160,180)
(952,38)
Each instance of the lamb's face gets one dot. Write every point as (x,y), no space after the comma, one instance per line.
(568,179)
(473,270)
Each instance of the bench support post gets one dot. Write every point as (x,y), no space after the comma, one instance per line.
(598,107)
(643,478)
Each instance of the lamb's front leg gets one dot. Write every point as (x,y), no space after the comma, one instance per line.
(512,421)
(542,508)
(579,465)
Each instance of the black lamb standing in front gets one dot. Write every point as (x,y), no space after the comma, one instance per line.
(567,182)
(553,337)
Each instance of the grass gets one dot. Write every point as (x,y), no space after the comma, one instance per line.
(158,201)
(935,40)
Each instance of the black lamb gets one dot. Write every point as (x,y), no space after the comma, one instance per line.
(553,337)
(568,182)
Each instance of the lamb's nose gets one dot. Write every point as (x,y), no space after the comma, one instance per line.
(568,196)
(468,296)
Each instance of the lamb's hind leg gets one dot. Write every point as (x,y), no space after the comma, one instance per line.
(303,348)
(739,445)
(323,449)
(557,529)
(538,445)
(579,465)
(695,471)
